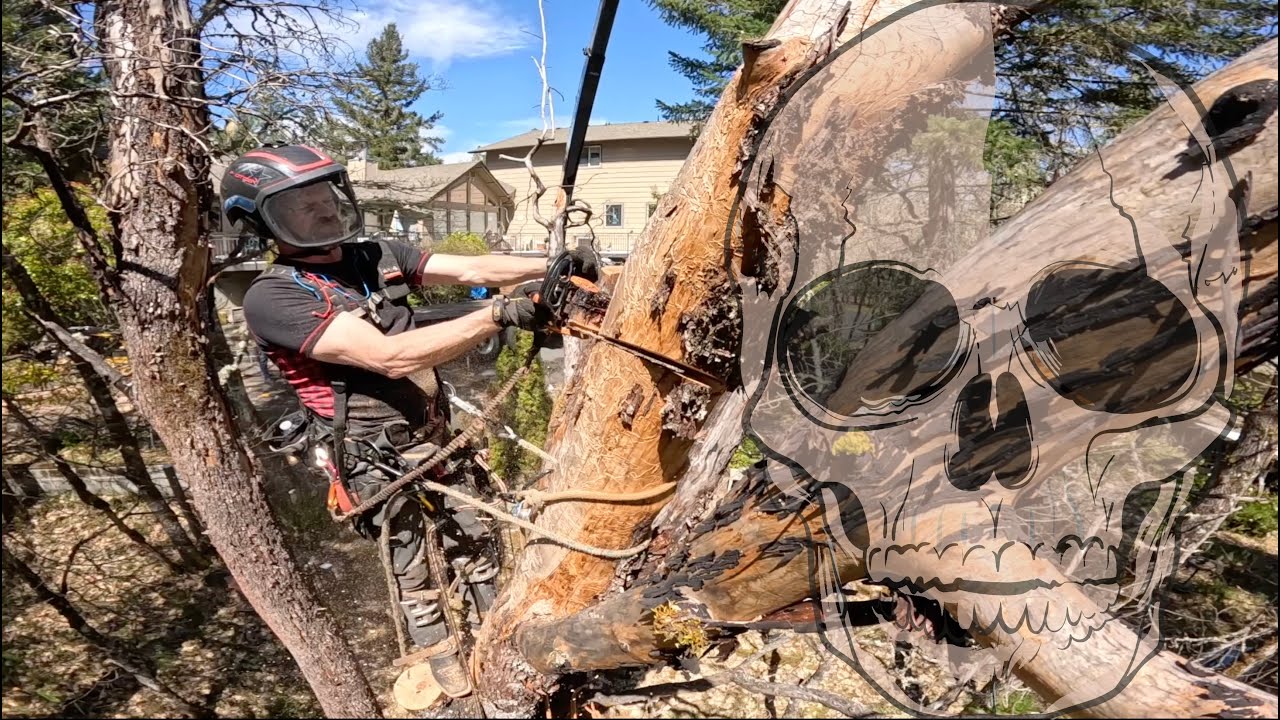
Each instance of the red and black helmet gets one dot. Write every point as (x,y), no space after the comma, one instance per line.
(292,193)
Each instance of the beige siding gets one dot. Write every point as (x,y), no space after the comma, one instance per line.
(630,174)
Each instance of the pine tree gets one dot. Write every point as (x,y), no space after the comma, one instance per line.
(37,64)
(375,108)
(726,24)
(1061,64)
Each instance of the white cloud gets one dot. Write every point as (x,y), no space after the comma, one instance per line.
(456,157)
(444,132)
(443,30)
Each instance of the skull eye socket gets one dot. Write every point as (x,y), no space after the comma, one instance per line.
(870,339)
(1111,339)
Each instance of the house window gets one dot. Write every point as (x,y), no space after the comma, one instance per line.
(613,215)
(591,156)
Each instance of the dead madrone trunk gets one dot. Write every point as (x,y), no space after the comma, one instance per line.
(621,426)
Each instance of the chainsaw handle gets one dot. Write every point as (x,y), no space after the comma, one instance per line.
(554,292)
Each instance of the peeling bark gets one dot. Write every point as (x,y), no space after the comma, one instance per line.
(741,559)
(156,194)
(676,309)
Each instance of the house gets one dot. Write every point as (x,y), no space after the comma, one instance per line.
(625,168)
(431,201)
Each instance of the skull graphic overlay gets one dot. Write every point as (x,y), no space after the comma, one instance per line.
(994,421)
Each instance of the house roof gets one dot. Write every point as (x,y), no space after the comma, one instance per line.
(406,186)
(600,133)
(410,186)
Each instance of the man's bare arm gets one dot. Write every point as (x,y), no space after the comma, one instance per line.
(482,270)
(351,341)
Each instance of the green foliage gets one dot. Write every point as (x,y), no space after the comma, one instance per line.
(1017,703)
(526,411)
(1258,518)
(1016,165)
(39,235)
(35,68)
(461,243)
(746,454)
(1069,83)
(22,375)
(375,109)
(458,243)
(1066,80)
(726,24)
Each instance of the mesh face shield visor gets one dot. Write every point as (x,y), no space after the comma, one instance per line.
(318,214)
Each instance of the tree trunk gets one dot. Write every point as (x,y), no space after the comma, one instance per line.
(49,448)
(227,362)
(135,467)
(116,654)
(624,426)
(159,194)
(621,424)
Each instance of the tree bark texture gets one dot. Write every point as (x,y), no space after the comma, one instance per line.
(158,195)
(623,426)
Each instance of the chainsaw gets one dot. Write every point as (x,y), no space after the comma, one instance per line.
(577,307)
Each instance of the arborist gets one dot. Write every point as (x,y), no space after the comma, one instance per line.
(330,313)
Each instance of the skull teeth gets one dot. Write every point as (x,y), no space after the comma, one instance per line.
(1013,564)
(1091,558)
(1035,614)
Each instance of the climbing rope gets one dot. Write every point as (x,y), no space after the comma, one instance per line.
(463,438)
(537,498)
(384,551)
(551,535)
(443,453)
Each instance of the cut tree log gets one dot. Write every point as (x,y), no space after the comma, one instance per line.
(742,556)
(624,426)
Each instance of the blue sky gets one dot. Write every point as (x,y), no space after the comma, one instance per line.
(482,50)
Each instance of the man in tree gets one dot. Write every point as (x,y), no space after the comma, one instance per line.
(327,315)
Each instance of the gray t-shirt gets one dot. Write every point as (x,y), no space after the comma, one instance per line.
(287,310)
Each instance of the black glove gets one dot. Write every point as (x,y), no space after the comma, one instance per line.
(585,263)
(519,309)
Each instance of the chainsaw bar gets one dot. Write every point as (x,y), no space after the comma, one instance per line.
(564,294)
(573,327)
